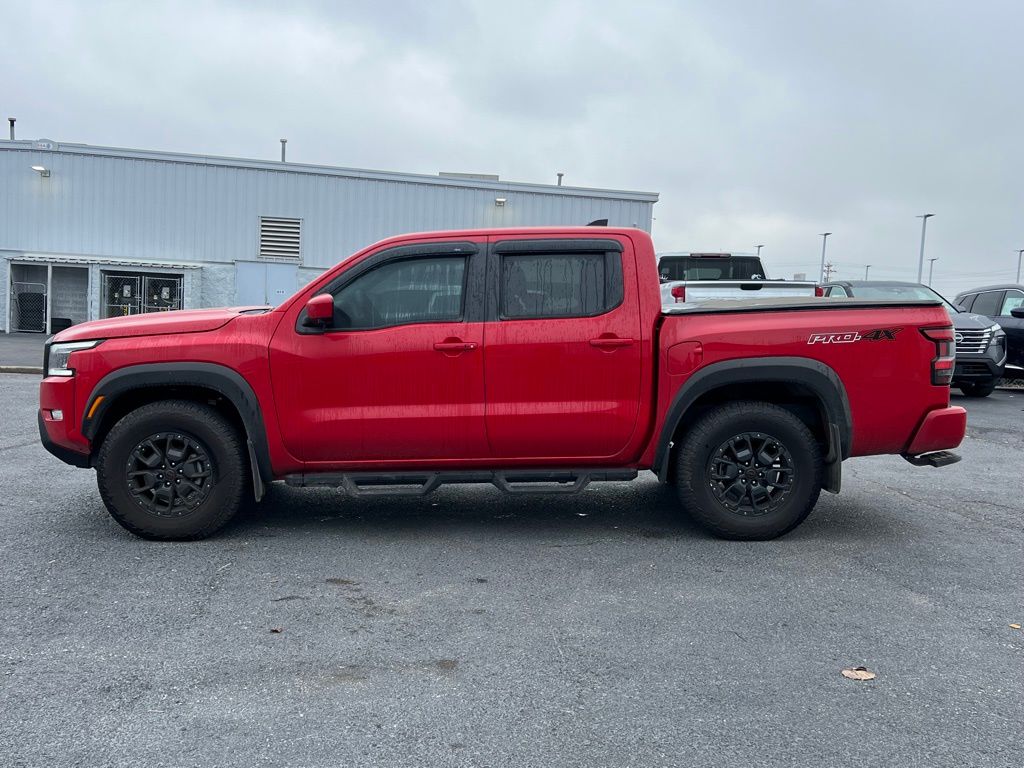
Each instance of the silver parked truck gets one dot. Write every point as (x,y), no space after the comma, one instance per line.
(694,278)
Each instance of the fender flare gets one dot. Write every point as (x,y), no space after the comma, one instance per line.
(221,379)
(816,376)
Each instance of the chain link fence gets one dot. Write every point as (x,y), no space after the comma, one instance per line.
(28,307)
(121,295)
(133,294)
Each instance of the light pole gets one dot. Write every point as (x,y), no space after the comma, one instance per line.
(931,266)
(920,259)
(866,268)
(759,247)
(1018,264)
(824,240)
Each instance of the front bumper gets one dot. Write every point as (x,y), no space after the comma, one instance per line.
(977,369)
(941,429)
(62,437)
(67,455)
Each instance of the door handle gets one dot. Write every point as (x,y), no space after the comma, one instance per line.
(610,342)
(454,345)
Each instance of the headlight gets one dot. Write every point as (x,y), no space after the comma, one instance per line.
(59,355)
(998,340)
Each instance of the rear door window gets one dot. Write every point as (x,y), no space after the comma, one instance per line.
(1013,300)
(539,285)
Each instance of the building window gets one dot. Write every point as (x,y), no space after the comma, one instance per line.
(280,239)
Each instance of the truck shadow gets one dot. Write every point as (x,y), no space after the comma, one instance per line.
(642,509)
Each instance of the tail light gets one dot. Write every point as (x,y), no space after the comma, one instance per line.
(819,291)
(679,293)
(945,354)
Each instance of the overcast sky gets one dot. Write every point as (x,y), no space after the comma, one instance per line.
(757,122)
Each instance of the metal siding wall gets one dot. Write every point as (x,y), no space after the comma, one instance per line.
(150,209)
(5,288)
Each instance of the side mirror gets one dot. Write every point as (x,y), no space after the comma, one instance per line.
(319,311)
(1018,312)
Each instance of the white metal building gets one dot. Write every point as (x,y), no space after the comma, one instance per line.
(89,232)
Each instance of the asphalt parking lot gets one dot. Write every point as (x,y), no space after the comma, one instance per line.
(475,629)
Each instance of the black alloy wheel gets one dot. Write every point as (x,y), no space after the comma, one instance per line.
(173,470)
(170,474)
(751,473)
(748,470)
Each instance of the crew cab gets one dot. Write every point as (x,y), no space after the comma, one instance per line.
(692,278)
(533,359)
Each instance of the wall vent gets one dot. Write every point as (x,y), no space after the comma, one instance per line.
(280,239)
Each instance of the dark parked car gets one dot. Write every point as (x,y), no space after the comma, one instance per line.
(980,342)
(1005,305)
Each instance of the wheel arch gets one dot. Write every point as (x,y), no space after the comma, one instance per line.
(134,385)
(810,389)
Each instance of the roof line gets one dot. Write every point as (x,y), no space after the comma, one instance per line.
(76,258)
(47,145)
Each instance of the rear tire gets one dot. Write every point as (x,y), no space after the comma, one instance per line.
(749,470)
(173,470)
(978,390)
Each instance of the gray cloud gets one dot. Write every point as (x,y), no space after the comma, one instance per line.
(757,122)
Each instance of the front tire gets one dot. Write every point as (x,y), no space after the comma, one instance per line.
(173,470)
(978,390)
(749,470)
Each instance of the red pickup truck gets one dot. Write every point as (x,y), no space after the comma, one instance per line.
(533,359)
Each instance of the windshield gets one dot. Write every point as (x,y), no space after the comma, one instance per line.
(909,292)
(714,268)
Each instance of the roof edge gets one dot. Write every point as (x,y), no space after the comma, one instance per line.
(48,145)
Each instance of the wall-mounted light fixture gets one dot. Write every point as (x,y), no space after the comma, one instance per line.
(42,170)
(500,201)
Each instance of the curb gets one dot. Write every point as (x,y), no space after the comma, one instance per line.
(37,370)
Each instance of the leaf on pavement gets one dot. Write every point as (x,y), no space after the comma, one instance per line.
(858,673)
(1015,626)
(277,630)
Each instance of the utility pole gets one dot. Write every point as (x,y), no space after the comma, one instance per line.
(1018,264)
(283,142)
(931,265)
(866,268)
(920,259)
(824,240)
(827,271)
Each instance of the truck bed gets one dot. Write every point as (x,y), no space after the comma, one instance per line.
(781,304)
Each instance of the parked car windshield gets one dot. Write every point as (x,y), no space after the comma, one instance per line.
(909,292)
(704,268)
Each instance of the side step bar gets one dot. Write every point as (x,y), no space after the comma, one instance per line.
(933,459)
(422,483)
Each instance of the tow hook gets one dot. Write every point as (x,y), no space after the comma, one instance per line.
(933,459)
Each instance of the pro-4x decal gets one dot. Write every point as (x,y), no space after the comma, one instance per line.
(882,334)
(848,337)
